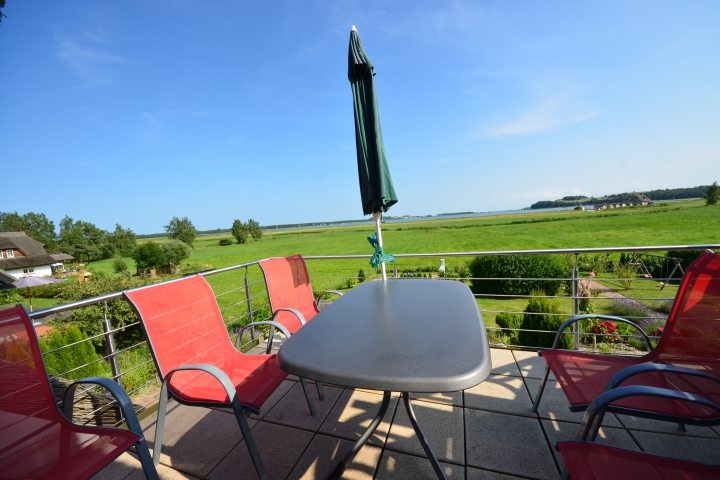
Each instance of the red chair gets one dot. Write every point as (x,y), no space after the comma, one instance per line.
(36,440)
(691,339)
(292,301)
(197,362)
(585,460)
(291,296)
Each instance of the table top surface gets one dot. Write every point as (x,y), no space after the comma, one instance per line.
(398,335)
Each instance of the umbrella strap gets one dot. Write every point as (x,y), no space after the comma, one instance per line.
(379,256)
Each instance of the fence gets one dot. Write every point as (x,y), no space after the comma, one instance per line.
(242,297)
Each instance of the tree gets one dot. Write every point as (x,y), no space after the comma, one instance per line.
(713,194)
(123,241)
(2,5)
(176,251)
(239,231)
(255,231)
(84,240)
(35,225)
(181,229)
(149,255)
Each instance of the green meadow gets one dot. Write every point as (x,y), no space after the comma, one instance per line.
(687,222)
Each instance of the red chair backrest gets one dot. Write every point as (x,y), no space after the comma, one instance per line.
(693,326)
(27,405)
(183,325)
(288,286)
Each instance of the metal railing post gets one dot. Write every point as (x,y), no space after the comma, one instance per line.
(249,306)
(576,304)
(395,275)
(111,349)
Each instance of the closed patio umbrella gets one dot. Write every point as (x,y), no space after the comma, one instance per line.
(376,187)
(27,282)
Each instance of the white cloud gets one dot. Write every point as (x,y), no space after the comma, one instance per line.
(87,56)
(542,118)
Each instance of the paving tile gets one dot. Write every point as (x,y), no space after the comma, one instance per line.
(119,468)
(448,398)
(554,405)
(279,393)
(441,424)
(639,423)
(694,449)
(503,362)
(477,474)
(564,431)
(398,466)
(508,444)
(531,364)
(280,448)
(165,473)
(352,414)
(325,453)
(500,393)
(292,409)
(196,439)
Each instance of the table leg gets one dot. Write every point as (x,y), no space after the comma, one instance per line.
(340,469)
(423,441)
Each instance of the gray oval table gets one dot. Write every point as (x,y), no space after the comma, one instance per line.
(416,335)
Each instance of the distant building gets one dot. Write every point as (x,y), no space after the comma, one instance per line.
(638,200)
(21,256)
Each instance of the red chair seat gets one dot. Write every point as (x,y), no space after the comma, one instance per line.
(255,378)
(593,461)
(583,376)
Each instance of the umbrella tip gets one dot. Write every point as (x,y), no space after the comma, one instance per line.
(353,29)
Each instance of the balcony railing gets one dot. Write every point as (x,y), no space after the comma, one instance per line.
(242,296)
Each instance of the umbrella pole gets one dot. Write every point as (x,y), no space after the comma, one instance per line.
(30,298)
(376,216)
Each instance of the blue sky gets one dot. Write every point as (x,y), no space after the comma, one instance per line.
(134,112)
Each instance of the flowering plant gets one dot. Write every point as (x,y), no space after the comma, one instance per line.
(585,305)
(608,329)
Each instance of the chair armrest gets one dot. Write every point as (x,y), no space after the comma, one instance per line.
(320,296)
(120,395)
(218,374)
(277,325)
(295,312)
(596,410)
(628,372)
(577,318)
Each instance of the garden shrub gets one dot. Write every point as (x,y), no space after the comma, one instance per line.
(62,361)
(224,242)
(139,367)
(598,263)
(540,304)
(361,276)
(517,266)
(119,265)
(510,322)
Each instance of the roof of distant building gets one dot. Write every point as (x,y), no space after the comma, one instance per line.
(33,251)
(59,257)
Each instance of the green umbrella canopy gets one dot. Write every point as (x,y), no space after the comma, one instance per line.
(376,186)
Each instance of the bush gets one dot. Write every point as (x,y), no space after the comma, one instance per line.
(224,242)
(149,255)
(598,263)
(517,266)
(534,320)
(361,276)
(176,251)
(119,265)
(62,361)
(687,256)
(136,378)
(625,275)
(510,322)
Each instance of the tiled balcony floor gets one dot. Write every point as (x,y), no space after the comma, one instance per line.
(486,432)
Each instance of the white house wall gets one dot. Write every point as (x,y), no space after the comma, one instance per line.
(39,271)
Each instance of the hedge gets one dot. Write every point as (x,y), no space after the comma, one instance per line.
(517,266)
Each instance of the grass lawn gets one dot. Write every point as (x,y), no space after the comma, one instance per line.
(688,222)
